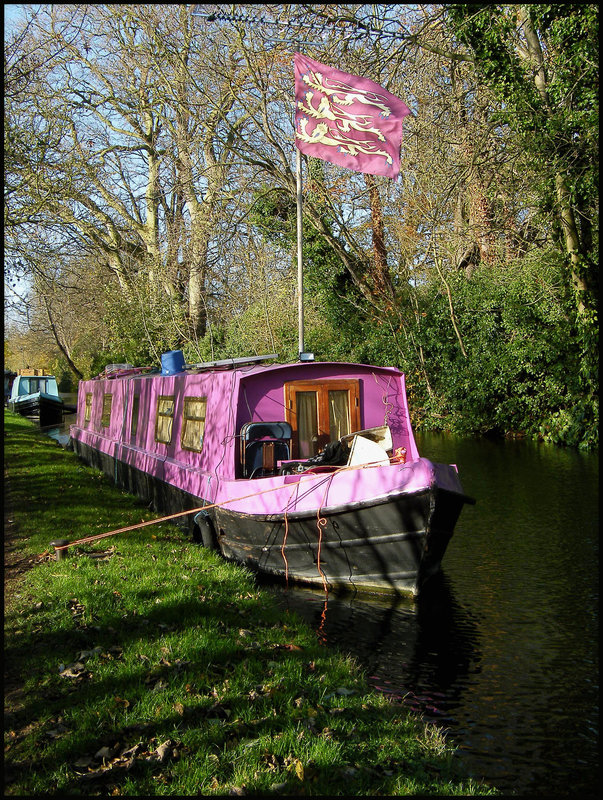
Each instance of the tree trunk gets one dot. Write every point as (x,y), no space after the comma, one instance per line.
(60,344)
(572,241)
(380,273)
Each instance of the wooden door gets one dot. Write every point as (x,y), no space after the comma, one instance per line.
(320,412)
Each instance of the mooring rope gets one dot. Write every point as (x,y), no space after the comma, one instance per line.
(321,524)
(289,501)
(96,537)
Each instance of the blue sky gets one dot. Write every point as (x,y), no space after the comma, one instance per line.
(11,12)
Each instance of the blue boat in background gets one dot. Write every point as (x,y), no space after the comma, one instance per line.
(36,395)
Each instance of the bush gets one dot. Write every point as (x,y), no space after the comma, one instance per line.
(522,370)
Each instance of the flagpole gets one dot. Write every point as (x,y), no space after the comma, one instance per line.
(300,263)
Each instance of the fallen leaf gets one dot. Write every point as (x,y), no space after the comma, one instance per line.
(74,670)
(162,752)
(132,751)
(120,701)
(58,731)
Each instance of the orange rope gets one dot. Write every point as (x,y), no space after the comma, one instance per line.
(287,533)
(94,538)
(98,536)
(321,524)
(320,631)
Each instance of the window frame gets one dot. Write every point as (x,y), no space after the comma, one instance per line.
(135,415)
(321,388)
(185,419)
(87,409)
(106,413)
(158,414)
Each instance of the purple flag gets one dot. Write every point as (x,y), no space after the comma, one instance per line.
(347,120)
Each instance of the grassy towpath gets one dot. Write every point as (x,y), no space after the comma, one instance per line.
(146,665)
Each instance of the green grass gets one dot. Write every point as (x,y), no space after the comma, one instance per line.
(160,669)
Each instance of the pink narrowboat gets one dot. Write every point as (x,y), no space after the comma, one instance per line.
(305,471)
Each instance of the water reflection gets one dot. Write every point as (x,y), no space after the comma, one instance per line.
(424,652)
(420,651)
(503,650)
(61,432)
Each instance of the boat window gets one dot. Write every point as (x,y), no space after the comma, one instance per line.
(134,424)
(193,423)
(106,415)
(165,419)
(88,408)
(31,386)
(321,412)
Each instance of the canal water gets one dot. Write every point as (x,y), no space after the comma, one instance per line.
(502,649)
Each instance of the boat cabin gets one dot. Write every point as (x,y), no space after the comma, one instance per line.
(242,422)
(25,384)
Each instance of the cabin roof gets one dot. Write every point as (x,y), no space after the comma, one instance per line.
(248,369)
(306,366)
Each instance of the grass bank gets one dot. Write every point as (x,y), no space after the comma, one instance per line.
(146,665)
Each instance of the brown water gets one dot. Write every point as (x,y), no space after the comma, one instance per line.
(502,651)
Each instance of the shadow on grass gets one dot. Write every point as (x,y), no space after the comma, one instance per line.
(213,719)
(248,691)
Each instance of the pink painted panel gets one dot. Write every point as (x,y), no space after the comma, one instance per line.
(235,397)
(307,493)
(382,396)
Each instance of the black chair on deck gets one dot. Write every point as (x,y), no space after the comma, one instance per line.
(263,444)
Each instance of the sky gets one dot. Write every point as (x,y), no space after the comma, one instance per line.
(12,12)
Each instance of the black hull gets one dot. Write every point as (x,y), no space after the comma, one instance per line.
(157,494)
(391,546)
(46,410)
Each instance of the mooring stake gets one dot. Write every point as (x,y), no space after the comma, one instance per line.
(60,549)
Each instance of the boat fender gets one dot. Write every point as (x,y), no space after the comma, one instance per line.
(203,531)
